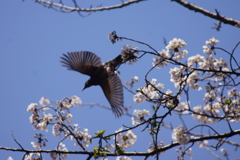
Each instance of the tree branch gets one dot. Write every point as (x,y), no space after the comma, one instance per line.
(205,12)
(63,8)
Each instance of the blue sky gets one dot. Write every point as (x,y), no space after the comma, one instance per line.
(34,37)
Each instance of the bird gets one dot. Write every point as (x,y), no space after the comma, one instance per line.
(90,64)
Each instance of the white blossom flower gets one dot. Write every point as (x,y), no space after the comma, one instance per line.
(149,92)
(124,158)
(232,93)
(67,105)
(182,108)
(56,156)
(180,135)
(212,42)
(48,117)
(180,54)
(32,156)
(44,101)
(202,116)
(56,130)
(177,76)
(161,61)
(83,136)
(127,52)
(32,106)
(10,158)
(224,151)
(135,79)
(207,50)
(69,118)
(125,140)
(198,59)
(62,147)
(203,143)
(41,126)
(176,43)
(76,101)
(140,114)
(192,81)
(133,61)
(36,145)
(139,98)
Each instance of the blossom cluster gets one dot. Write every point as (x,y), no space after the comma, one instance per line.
(128,54)
(209,63)
(125,140)
(139,116)
(202,116)
(82,138)
(180,135)
(40,120)
(231,106)
(161,60)
(148,92)
(176,45)
(182,108)
(212,42)
(215,105)
(41,141)
(61,147)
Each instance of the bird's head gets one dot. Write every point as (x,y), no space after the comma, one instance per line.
(87,84)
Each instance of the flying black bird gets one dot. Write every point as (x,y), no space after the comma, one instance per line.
(90,64)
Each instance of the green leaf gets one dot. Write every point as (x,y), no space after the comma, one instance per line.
(121,151)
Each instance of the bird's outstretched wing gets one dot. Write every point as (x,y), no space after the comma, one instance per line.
(113,90)
(84,62)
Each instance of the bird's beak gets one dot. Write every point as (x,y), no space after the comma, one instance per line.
(83,88)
